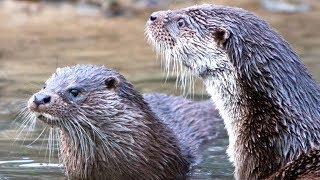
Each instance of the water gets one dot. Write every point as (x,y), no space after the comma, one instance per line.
(23,158)
(215,164)
(33,43)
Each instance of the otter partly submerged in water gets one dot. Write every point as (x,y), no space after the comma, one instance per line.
(269,102)
(109,131)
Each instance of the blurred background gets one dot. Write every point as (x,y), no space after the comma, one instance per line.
(38,36)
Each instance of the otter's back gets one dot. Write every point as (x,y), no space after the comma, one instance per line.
(193,122)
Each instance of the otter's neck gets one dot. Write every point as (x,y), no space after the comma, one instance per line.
(132,145)
(270,105)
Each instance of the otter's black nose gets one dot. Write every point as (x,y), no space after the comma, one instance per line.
(153,17)
(41,98)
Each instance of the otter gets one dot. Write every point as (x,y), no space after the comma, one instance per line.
(269,102)
(108,130)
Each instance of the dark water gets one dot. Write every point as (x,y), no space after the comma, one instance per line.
(21,157)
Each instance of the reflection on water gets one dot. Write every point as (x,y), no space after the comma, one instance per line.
(215,164)
(13,169)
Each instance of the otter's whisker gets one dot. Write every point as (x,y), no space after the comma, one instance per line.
(78,136)
(87,137)
(74,134)
(21,114)
(43,140)
(50,149)
(57,132)
(84,138)
(27,124)
(26,116)
(45,128)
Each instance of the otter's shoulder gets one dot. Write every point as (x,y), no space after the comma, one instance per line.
(193,122)
(158,101)
(165,100)
(184,115)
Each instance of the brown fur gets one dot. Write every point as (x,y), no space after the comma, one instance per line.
(108,131)
(267,98)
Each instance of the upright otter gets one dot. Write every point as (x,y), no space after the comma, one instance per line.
(269,102)
(108,130)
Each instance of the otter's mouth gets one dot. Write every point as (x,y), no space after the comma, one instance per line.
(41,117)
(48,119)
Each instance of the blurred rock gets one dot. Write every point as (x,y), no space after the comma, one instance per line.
(27,6)
(107,7)
(289,6)
(131,7)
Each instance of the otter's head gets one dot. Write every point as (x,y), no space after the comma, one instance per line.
(223,43)
(81,95)
(191,37)
(210,39)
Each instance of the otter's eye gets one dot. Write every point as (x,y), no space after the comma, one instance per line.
(181,23)
(74,92)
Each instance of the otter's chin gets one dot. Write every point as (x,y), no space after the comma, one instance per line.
(48,119)
(41,117)
(197,71)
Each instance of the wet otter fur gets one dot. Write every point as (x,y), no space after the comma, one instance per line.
(183,116)
(269,102)
(108,130)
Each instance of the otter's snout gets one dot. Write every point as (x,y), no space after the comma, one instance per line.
(41,98)
(152,17)
(38,101)
(157,16)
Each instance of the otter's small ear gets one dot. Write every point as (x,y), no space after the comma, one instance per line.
(111,82)
(221,35)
